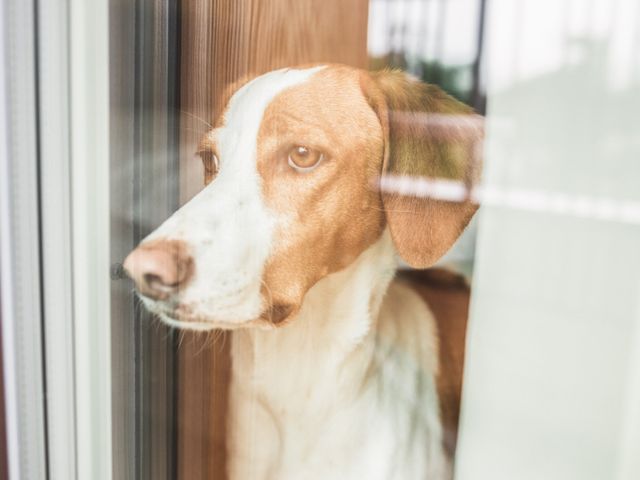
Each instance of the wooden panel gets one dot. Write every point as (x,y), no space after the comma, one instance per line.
(223,41)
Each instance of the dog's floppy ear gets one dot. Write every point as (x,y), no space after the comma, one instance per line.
(427,135)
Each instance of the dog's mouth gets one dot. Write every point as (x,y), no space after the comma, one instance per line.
(181,317)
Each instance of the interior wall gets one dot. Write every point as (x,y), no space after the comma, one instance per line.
(223,41)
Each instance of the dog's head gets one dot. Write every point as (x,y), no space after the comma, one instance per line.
(292,173)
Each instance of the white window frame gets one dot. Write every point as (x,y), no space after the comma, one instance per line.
(20,244)
(89,121)
(54,250)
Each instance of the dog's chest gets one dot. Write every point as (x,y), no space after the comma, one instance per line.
(369,413)
(378,431)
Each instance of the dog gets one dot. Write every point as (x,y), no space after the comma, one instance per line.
(294,246)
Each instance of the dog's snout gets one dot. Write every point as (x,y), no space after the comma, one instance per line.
(160,268)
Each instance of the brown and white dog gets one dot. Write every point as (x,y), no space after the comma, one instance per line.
(293,245)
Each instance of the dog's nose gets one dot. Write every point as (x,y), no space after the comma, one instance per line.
(159,268)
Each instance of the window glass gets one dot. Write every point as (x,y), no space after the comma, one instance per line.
(263,336)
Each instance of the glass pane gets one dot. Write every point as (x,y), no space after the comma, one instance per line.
(297,217)
(144,192)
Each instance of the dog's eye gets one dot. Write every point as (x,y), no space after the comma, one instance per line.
(304,159)
(211,164)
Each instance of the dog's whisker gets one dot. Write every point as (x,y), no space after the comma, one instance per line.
(158,326)
(210,340)
(205,342)
(224,337)
(268,290)
(215,335)
(197,118)
(188,129)
(181,335)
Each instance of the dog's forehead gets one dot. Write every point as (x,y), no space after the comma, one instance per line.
(328,107)
(246,107)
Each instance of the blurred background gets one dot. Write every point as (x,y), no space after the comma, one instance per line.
(440,42)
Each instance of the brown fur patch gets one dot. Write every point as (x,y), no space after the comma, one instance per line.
(330,215)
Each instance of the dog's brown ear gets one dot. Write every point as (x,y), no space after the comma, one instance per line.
(427,135)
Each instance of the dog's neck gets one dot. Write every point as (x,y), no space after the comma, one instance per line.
(334,326)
